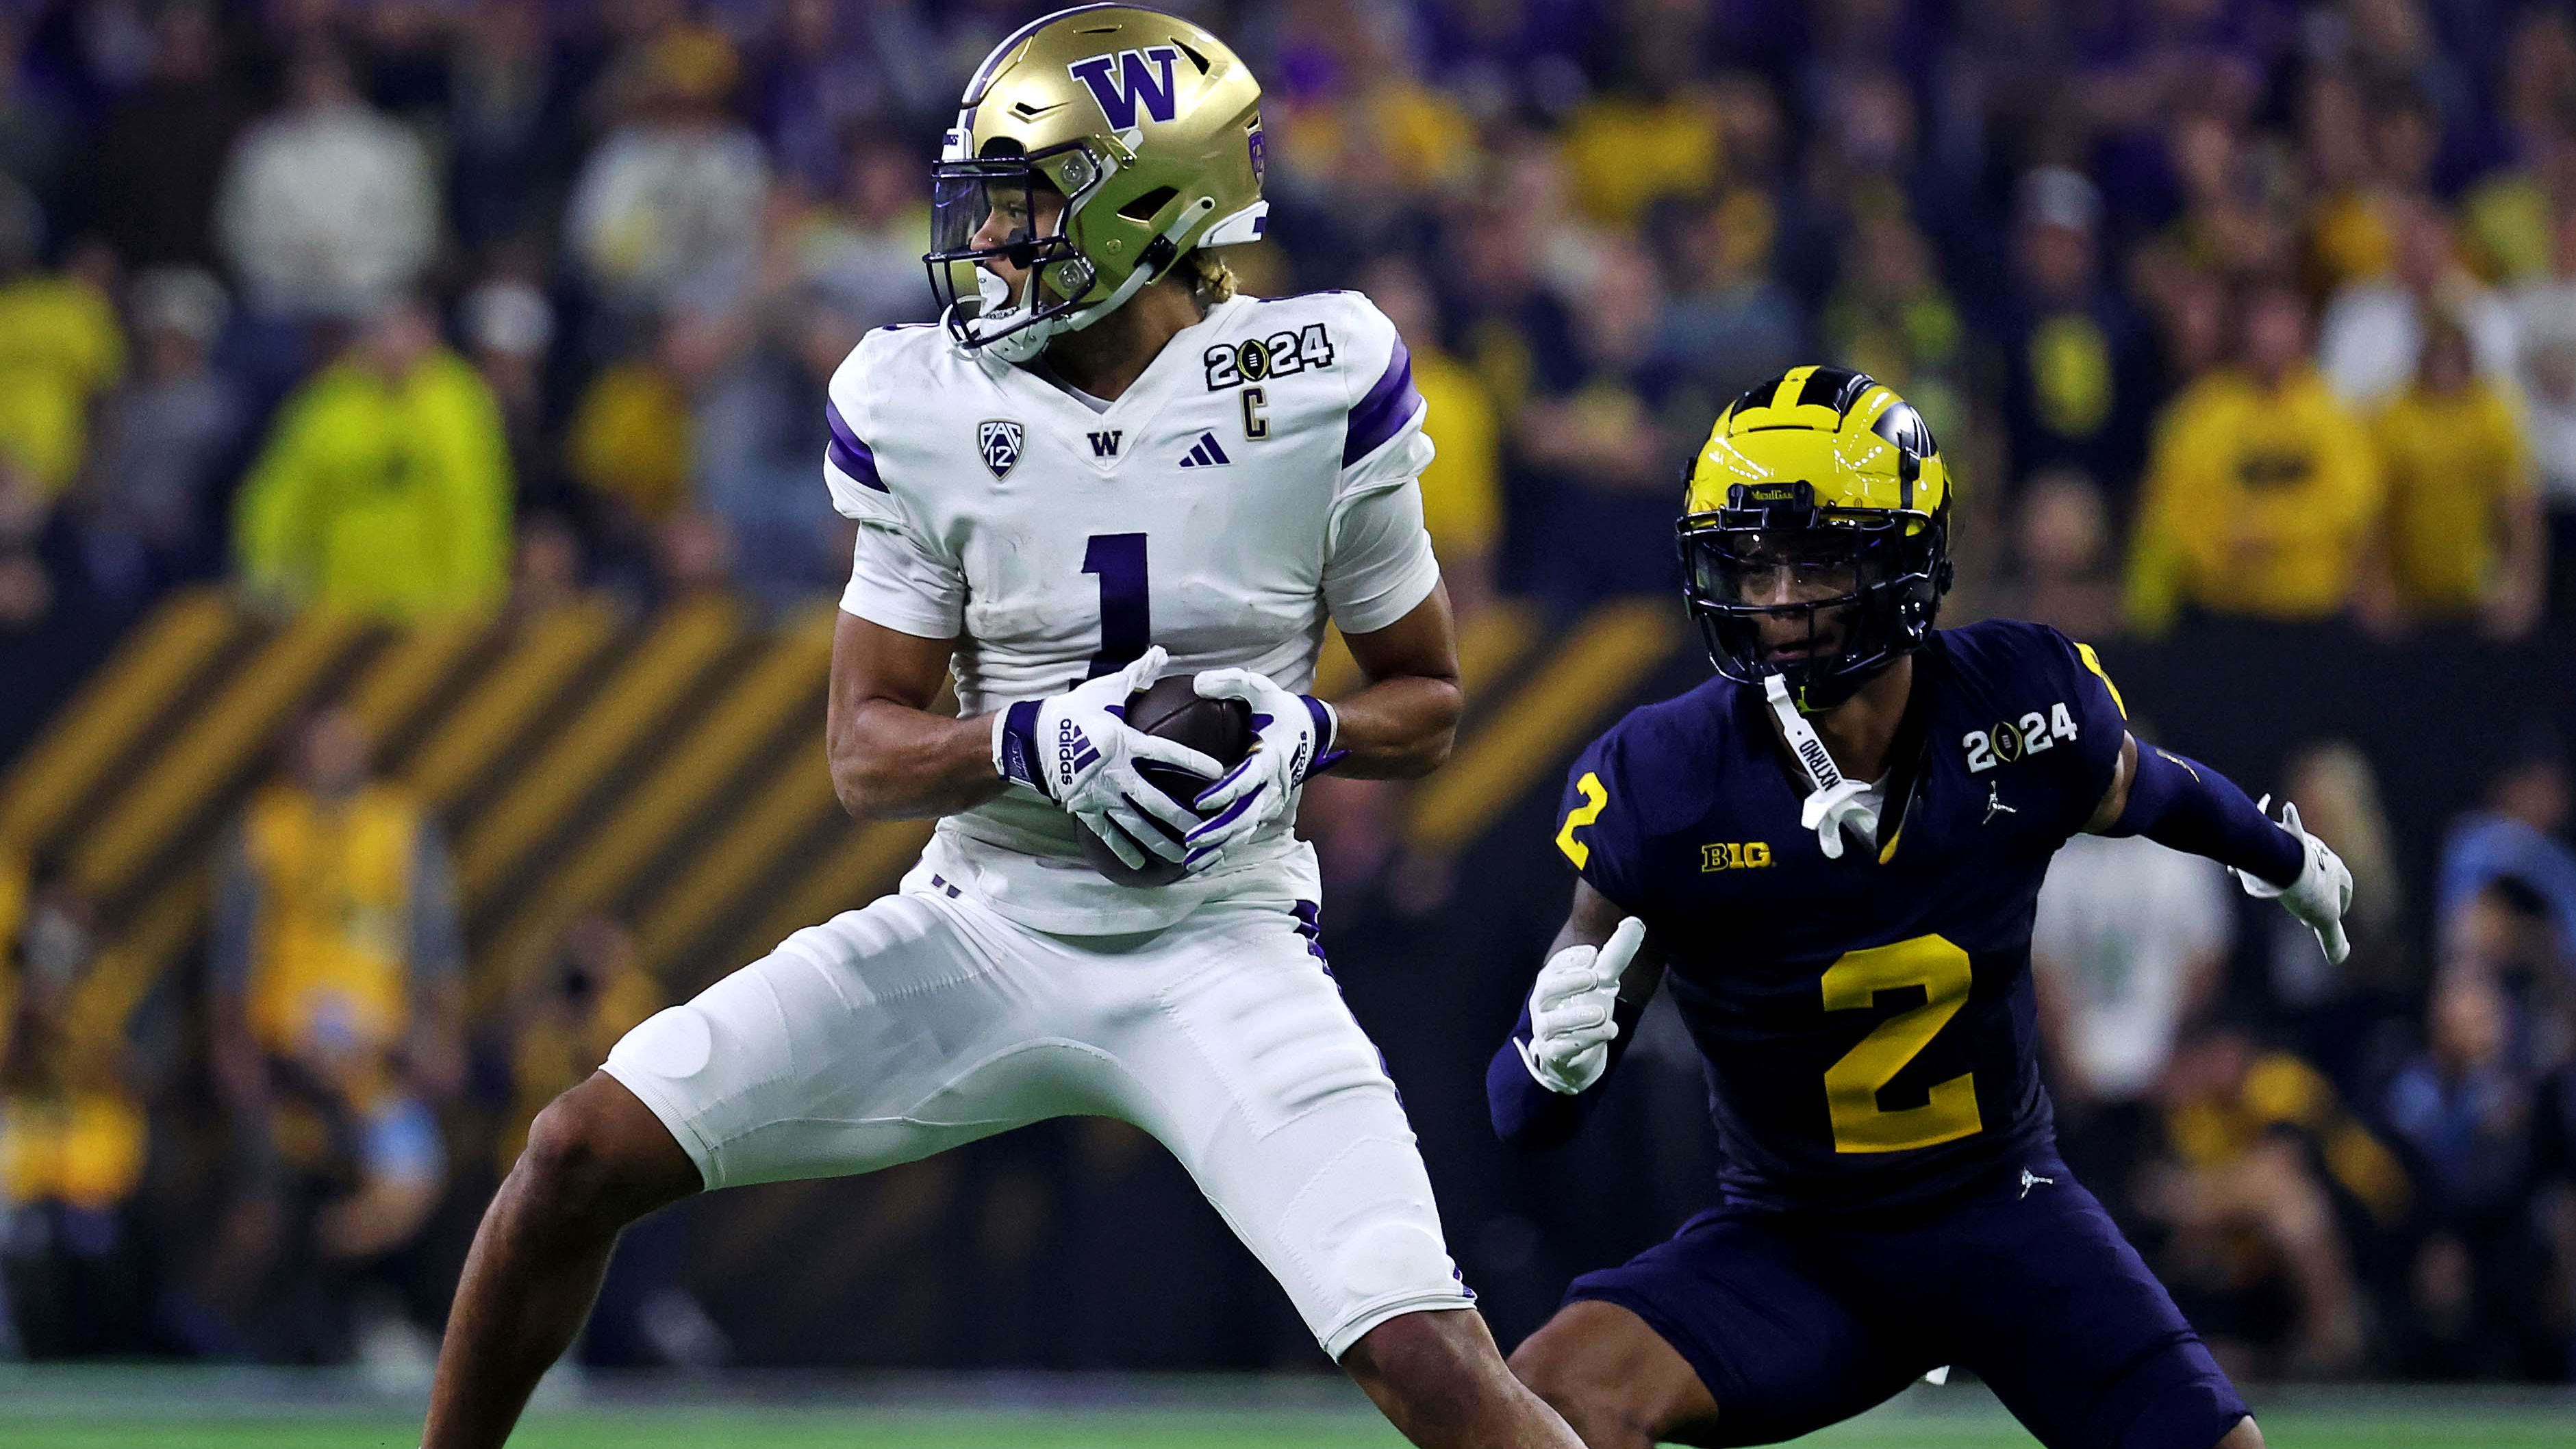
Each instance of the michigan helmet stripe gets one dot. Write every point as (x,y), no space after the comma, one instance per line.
(1813,396)
(1784,398)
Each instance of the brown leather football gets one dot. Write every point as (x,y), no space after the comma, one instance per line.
(1171,709)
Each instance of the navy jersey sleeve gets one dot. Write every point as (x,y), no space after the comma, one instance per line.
(2099,720)
(1596,824)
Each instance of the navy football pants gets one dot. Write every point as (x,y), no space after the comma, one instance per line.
(1794,1324)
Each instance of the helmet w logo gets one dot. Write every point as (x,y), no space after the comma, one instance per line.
(1124,82)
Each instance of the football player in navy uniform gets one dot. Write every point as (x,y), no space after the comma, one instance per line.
(1829,855)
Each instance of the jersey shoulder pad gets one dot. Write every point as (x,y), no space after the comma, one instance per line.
(1644,779)
(2050,702)
(1317,339)
(888,361)
(1992,656)
(867,418)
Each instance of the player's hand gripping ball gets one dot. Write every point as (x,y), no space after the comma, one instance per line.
(1292,738)
(1169,709)
(1571,1008)
(1080,750)
(2320,895)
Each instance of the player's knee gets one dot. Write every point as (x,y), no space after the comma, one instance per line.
(1556,1369)
(2244,1436)
(589,1161)
(1597,1395)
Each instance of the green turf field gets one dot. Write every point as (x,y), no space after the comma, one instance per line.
(752,1430)
(113,1409)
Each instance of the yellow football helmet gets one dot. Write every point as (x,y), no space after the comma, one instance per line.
(1819,500)
(1147,125)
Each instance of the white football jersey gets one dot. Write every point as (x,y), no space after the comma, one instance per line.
(1256,481)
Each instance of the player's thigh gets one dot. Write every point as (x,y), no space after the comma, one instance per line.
(880,1036)
(1249,1067)
(1777,1345)
(2054,1309)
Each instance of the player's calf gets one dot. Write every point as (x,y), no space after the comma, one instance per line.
(596,1160)
(1438,1377)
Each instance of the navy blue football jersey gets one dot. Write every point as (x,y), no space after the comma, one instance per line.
(1867,1023)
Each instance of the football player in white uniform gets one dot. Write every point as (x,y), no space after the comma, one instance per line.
(1101,467)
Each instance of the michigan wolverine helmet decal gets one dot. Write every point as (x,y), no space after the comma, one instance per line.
(1815,533)
(1148,130)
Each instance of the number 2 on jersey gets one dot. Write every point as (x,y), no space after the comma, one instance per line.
(1852,1085)
(1126,615)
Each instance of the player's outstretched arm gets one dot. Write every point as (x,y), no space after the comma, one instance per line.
(893,757)
(1579,1018)
(2188,806)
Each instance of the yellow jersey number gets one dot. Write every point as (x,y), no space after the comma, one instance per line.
(1852,1085)
(1594,798)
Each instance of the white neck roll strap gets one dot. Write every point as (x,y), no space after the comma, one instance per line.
(1835,800)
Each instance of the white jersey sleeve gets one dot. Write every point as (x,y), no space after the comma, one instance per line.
(900,575)
(1378,562)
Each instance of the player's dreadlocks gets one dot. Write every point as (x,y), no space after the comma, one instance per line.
(1211,280)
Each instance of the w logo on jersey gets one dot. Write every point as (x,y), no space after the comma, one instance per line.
(999,442)
(1125,81)
(1205,453)
(1105,445)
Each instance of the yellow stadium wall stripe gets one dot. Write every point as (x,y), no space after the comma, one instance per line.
(399,683)
(502,703)
(1611,650)
(1487,645)
(218,741)
(1490,644)
(790,803)
(861,864)
(103,720)
(656,675)
(787,677)
(127,967)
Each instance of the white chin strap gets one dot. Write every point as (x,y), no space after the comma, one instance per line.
(1834,801)
(1000,311)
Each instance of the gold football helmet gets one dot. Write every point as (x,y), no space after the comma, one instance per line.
(1819,500)
(1146,124)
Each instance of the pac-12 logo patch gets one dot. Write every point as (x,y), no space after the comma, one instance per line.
(999,441)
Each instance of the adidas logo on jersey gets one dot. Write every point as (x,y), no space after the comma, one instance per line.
(1205,453)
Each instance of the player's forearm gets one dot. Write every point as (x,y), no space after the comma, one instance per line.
(2190,807)
(1397,728)
(893,762)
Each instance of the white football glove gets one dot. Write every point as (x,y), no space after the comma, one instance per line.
(1571,1025)
(1290,732)
(1077,750)
(2320,895)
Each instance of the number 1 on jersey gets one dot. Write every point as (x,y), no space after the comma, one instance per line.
(1126,615)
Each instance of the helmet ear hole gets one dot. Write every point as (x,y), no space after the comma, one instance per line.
(1144,207)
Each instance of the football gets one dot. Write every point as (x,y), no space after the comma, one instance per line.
(1172,709)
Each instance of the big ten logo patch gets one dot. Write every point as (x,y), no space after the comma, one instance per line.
(1735,855)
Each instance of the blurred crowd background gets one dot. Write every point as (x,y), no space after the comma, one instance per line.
(501,328)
